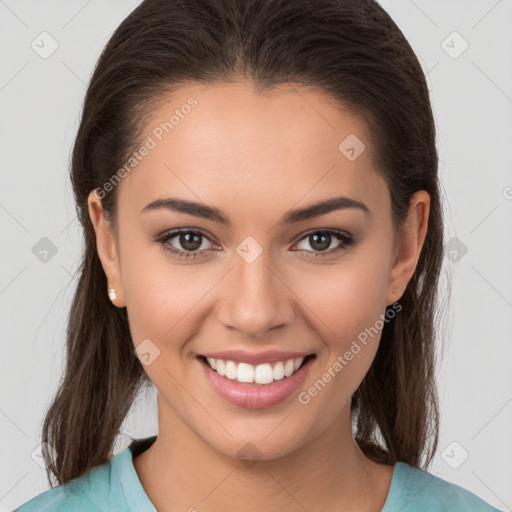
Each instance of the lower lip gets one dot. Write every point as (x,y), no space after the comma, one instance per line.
(255,396)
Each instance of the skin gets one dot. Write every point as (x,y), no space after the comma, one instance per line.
(256,156)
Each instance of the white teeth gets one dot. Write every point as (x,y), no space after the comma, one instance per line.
(278,371)
(220,367)
(259,374)
(289,367)
(263,374)
(231,370)
(245,373)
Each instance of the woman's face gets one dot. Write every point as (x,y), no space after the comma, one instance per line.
(260,279)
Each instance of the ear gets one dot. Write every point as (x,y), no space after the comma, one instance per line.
(107,248)
(410,238)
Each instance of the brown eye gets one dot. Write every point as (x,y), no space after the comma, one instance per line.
(190,241)
(187,243)
(321,240)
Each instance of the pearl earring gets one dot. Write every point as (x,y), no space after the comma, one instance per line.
(112,294)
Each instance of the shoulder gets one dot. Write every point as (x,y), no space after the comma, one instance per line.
(58,499)
(91,492)
(414,489)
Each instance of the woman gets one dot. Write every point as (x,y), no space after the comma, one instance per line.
(257,182)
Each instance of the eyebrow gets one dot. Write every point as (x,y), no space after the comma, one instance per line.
(290,217)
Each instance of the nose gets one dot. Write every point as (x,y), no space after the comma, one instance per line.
(256,299)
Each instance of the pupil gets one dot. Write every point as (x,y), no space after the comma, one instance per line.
(190,245)
(326,238)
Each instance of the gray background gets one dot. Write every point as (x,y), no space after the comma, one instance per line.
(40,100)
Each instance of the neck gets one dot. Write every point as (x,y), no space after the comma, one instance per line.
(180,471)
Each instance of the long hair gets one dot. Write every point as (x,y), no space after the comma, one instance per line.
(353,51)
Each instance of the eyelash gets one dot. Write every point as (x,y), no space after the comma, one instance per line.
(347,241)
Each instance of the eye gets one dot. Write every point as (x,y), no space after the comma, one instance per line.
(320,240)
(190,240)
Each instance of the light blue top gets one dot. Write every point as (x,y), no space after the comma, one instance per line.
(115,486)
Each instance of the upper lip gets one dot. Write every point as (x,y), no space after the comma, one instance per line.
(254,358)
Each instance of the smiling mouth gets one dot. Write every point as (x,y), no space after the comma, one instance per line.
(261,374)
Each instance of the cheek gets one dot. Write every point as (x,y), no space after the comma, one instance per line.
(161,295)
(346,303)
(345,298)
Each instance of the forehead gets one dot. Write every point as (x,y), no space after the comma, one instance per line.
(207,141)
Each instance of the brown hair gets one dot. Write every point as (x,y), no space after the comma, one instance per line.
(350,49)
